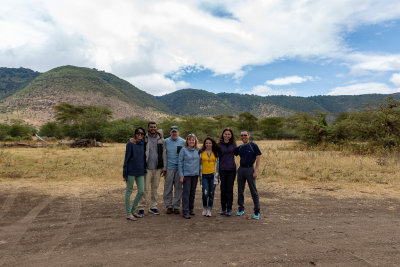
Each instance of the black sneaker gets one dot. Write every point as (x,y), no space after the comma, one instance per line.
(141,212)
(191,212)
(222,212)
(170,211)
(176,211)
(186,216)
(154,211)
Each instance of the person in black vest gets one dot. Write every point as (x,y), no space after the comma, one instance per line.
(249,154)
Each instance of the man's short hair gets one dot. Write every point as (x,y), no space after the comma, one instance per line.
(247,131)
(151,122)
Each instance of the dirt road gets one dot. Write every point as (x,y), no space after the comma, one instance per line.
(45,230)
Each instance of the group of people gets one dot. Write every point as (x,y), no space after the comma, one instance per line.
(149,156)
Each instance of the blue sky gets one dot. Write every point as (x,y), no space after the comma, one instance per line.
(300,48)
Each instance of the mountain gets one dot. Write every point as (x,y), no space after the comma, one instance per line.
(29,95)
(200,102)
(12,80)
(79,86)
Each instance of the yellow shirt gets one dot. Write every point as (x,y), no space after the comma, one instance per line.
(208,163)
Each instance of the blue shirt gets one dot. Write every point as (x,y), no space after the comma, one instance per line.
(248,153)
(189,162)
(173,148)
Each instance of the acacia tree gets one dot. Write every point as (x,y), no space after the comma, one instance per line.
(248,121)
(83,121)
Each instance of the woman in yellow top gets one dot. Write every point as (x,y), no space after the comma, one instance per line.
(209,173)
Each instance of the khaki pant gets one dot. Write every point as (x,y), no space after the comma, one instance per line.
(151,182)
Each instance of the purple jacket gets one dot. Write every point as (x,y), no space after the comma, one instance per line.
(226,156)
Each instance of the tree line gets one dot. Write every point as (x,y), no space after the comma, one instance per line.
(377,125)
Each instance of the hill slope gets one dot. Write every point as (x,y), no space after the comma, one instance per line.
(79,86)
(12,80)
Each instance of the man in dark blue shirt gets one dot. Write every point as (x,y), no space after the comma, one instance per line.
(249,154)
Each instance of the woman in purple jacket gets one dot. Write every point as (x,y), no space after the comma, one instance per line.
(227,170)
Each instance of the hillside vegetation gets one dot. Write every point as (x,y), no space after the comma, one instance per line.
(81,86)
(12,80)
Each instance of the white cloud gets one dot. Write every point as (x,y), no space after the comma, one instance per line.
(363,88)
(395,79)
(364,63)
(157,84)
(137,39)
(289,80)
(263,90)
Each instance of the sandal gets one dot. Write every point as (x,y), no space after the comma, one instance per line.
(131,218)
(136,215)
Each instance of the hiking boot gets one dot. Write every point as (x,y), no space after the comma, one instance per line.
(240,213)
(154,211)
(256,216)
(170,211)
(176,211)
(141,212)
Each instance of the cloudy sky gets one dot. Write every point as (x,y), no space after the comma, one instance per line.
(303,47)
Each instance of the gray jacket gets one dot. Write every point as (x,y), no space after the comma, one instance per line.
(162,155)
(189,162)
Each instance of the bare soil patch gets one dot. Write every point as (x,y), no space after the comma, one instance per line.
(79,229)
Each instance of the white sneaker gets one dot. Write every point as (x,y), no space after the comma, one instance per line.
(204,213)
(208,213)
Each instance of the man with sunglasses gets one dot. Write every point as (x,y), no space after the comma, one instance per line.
(249,154)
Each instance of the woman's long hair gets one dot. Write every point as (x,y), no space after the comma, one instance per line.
(214,148)
(231,140)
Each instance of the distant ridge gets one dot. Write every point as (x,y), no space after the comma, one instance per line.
(29,95)
(200,102)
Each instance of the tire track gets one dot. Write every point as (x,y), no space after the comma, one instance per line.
(7,204)
(13,233)
(63,233)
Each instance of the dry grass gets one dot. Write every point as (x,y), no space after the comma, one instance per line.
(284,169)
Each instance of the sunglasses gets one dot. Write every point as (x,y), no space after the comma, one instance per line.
(244,135)
(191,135)
(140,133)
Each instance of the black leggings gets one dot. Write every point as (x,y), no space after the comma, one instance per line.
(227,181)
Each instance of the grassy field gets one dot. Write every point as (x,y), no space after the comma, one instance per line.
(284,167)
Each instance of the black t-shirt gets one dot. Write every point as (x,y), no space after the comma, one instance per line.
(248,153)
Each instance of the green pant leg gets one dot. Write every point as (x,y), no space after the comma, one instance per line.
(129,188)
(140,192)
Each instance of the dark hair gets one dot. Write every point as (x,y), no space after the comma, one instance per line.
(214,148)
(232,139)
(151,122)
(140,128)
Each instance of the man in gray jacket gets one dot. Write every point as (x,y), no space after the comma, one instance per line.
(156,166)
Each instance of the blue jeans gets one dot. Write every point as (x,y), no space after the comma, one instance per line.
(208,188)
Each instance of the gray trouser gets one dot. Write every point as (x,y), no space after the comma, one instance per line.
(246,174)
(172,182)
